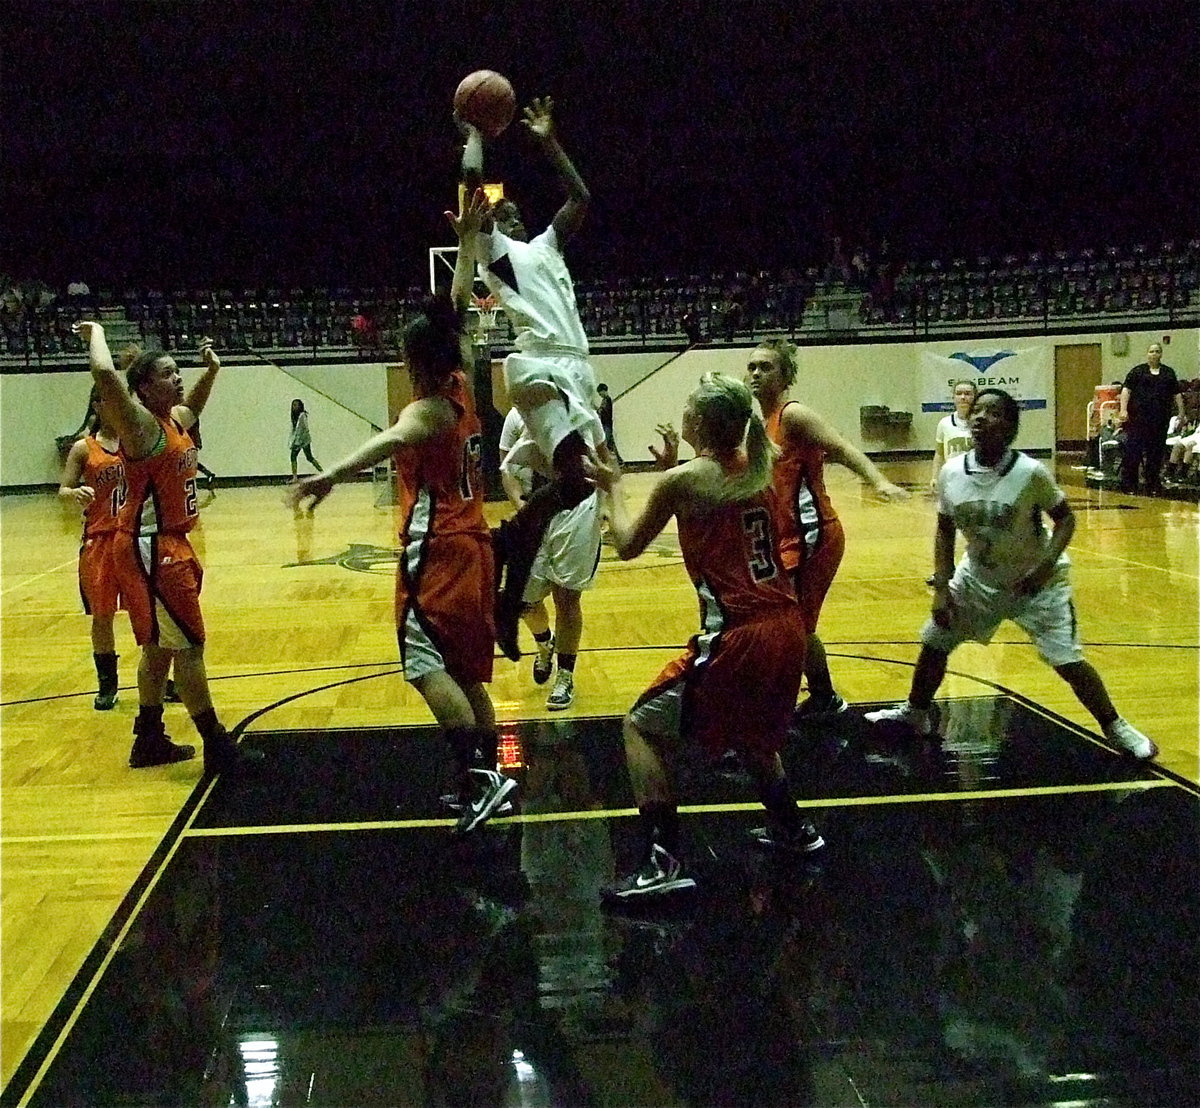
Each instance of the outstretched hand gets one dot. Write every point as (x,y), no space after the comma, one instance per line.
(84,328)
(888,491)
(475,210)
(538,118)
(668,456)
(314,489)
(603,471)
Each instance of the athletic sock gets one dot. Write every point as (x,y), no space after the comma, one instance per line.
(660,824)
(567,662)
(776,797)
(208,725)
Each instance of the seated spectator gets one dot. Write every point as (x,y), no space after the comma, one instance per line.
(1112,446)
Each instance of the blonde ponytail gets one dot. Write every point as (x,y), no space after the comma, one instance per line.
(725,410)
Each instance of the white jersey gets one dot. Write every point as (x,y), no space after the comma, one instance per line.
(519,454)
(954,436)
(999,511)
(534,287)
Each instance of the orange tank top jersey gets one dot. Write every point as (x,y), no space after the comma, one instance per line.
(162,487)
(104,473)
(441,487)
(800,483)
(731,555)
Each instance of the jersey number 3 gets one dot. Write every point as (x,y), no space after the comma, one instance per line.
(756,522)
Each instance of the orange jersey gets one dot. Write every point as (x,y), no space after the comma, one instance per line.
(104,473)
(441,486)
(800,482)
(162,487)
(731,555)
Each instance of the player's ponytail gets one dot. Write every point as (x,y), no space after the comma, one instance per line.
(725,410)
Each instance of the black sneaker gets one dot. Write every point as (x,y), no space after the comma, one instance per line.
(155,748)
(493,789)
(804,840)
(543,662)
(661,874)
(106,699)
(456,803)
(815,708)
(223,754)
(171,694)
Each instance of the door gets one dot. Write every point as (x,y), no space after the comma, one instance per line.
(1077,372)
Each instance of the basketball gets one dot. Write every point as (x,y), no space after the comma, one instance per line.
(486,100)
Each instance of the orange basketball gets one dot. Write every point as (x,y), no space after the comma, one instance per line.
(486,99)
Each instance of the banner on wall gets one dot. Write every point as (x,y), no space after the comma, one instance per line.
(1025,372)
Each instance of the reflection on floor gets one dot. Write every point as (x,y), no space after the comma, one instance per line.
(1007,915)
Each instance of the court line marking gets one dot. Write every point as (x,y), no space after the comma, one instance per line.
(684,809)
(38,576)
(98,837)
(110,954)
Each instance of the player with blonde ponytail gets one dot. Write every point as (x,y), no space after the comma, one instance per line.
(735,685)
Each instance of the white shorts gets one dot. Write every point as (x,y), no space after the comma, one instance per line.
(548,424)
(1048,618)
(569,554)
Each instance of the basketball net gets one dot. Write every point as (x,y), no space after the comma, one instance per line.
(484,308)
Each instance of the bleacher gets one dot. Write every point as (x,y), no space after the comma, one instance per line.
(1101,288)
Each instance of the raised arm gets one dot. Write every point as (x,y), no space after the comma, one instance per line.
(804,424)
(421,420)
(466,226)
(631,536)
(137,429)
(472,158)
(539,122)
(193,404)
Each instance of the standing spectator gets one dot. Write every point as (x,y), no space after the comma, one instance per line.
(1150,391)
(301,437)
(605,409)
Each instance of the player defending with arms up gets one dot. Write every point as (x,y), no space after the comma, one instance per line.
(444,590)
(158,572)
(1012,569)
(735,686)
(548,378)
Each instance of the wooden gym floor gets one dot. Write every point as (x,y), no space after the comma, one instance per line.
(124,891)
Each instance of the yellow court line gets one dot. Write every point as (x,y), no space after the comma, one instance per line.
(684,809)
(79,837)
(39,576)
(109,955)
(1169,570)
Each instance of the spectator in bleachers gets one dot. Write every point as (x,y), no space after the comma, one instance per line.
(1150,391)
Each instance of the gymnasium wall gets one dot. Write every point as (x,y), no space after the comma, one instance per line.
(246,423)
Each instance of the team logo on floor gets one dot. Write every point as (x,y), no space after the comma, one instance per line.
(359,556)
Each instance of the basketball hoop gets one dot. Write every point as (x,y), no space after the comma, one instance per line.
(484,308)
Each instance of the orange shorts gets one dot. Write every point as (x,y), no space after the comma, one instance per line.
(815,574)
(98,588)
(733,690)
(160,579)
(444,601)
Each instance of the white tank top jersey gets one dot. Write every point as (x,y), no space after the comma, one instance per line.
(954,435)
(999,511)
(534,287)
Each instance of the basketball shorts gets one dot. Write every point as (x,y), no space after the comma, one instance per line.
(815,574)
(548,424)
(98,588)
(732,690)
(160,578)
(570,552)
(444,600)
(1047,617)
